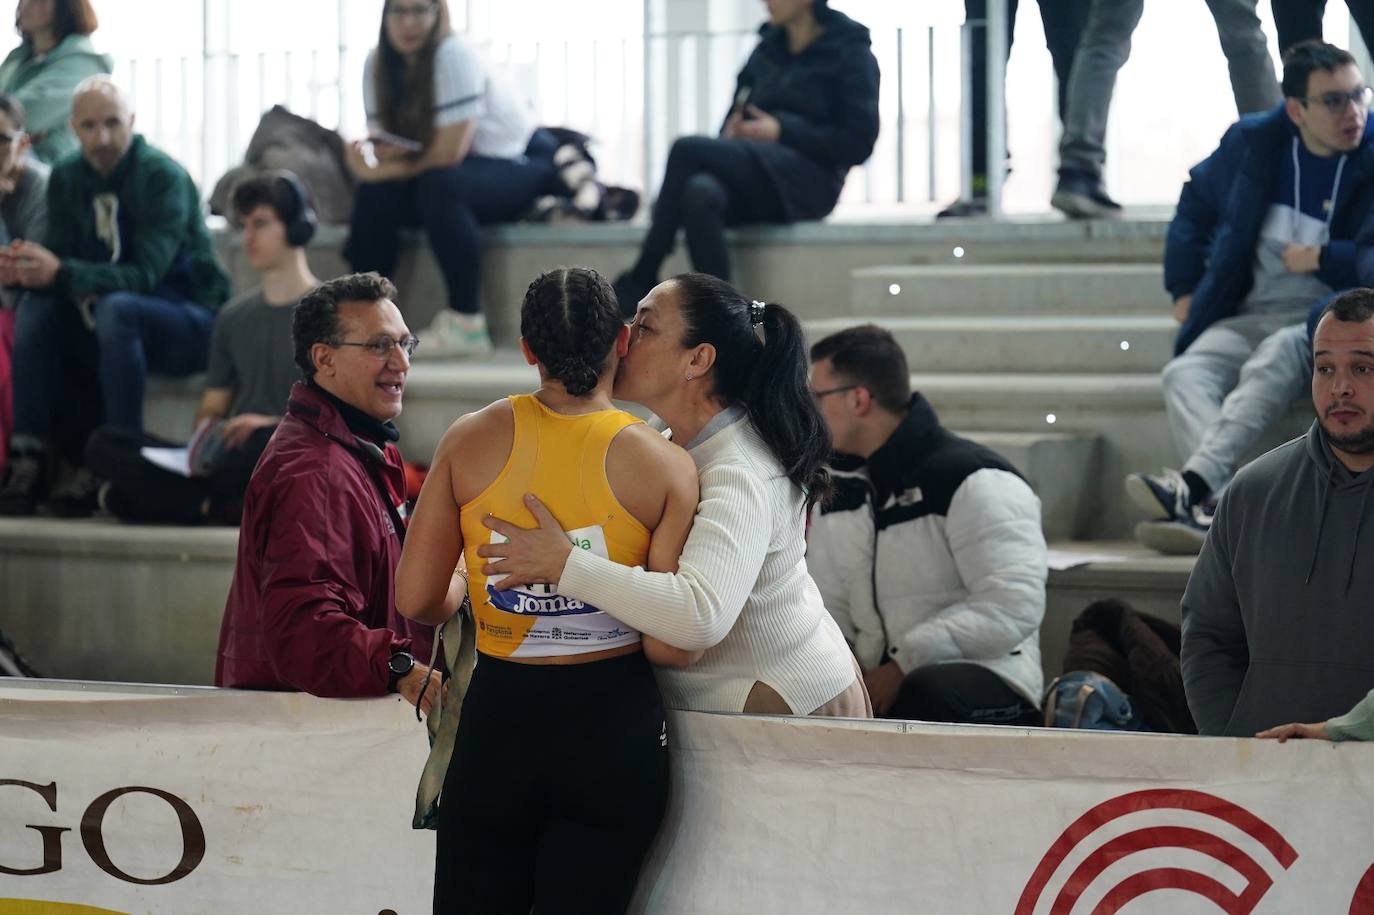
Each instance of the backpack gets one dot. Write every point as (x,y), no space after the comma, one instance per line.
(1087,699)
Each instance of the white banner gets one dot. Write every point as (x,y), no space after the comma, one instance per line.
(135,801)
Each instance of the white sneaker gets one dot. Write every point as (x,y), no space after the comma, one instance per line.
(453,333)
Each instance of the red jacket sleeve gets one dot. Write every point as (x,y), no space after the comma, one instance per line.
(311,600)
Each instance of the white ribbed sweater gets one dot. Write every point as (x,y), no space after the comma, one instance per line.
(741,592)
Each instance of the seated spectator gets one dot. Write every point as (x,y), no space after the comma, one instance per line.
(23,215)
(1266,226)
(455,149)
(131,286)
(54,56)
(1276,622)
(252,368)
(805,112)
(930,556)
(312,605)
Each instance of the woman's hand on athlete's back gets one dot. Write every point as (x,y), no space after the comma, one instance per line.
(529,556)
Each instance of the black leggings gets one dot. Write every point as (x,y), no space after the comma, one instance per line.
(961,693)
(144,493)
(556,788)
(709,184)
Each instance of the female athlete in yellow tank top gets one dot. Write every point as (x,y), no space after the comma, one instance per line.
(561,697)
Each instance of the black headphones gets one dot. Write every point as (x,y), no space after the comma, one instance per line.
(302,221)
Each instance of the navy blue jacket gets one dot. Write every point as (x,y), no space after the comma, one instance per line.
(1210,249)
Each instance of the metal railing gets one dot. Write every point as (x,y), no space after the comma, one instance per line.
(633,95)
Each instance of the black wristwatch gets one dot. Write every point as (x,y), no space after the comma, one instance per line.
(400,664)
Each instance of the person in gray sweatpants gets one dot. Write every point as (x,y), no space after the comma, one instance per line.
(1103,49)
(1216,429)
(1275,220)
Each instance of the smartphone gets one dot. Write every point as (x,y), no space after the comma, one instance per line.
(381,136)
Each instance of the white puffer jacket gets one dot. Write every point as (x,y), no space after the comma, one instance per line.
(950,536)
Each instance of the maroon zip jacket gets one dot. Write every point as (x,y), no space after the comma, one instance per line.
(313,603)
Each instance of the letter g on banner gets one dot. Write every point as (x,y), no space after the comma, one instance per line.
(52,835)
(192,835)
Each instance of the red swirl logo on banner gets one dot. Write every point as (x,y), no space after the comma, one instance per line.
(1257,879)
(1363,903)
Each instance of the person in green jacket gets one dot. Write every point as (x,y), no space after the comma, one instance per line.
(55,54)
(133,287)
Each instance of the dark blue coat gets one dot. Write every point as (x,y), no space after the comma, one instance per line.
(1210,249)
(826,101)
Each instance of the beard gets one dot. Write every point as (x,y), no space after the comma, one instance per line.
(1355,441)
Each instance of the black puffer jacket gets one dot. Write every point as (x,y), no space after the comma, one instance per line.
(826,99)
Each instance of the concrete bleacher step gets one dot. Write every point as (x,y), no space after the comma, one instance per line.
(1010,289)
(1041,343)
(98,600)
(806,266)
(1124,413)
(1149,582)
(1055,462)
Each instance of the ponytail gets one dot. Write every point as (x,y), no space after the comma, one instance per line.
(762,367)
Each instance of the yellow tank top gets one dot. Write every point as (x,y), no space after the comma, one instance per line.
(561,459)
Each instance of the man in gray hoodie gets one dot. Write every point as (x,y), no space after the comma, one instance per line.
(1277,620)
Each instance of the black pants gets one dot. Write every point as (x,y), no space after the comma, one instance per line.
(451,204)
(960,694)
(710,183)
(556,788)
(144,493)
(1299,20)
(1064,21)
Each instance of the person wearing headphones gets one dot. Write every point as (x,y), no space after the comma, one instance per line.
(252,368)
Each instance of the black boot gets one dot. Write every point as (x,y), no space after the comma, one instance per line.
(26,483)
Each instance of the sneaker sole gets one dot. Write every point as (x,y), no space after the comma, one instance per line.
(1171,538)
(1145,499)
(1076,206)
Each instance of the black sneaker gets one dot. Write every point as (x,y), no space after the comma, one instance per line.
(1080,196)
(79,497)
(1164,496)
(25,485)
(965,209)
(630,288)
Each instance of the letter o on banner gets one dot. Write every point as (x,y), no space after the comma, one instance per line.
(192,835)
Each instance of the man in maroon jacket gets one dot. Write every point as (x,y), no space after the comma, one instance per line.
(312,606)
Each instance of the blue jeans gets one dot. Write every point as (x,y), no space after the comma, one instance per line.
(54,351)
(451,204)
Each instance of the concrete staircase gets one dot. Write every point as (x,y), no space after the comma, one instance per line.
(1042,339)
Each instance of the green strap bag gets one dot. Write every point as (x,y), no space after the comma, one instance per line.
(457,639)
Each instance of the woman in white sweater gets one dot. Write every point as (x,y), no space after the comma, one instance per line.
(729,377)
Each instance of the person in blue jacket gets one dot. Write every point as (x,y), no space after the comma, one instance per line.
(1280,216)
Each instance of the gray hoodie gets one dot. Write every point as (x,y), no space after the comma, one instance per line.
(1278,617)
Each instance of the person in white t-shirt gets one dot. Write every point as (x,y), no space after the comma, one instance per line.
(453,148)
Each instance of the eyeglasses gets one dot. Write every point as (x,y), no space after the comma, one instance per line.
(848,387)
(382,347)
(417,13)
(9,139)
(1335,102)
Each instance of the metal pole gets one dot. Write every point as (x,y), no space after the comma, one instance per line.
(901,122)
(930,113)
(342,72)
(966,109)
(207,97)
(997,104)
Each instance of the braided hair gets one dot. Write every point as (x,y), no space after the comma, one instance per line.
(570,320)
